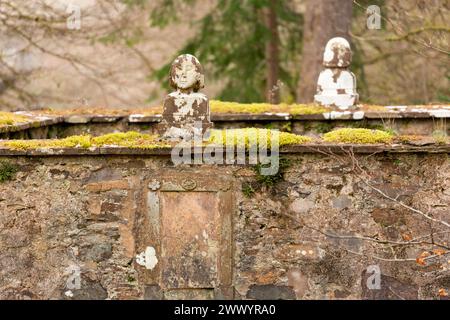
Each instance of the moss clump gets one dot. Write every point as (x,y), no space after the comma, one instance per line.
(69,142)
(22,144)
(9,118)
(361,136)
(324,127)
(252,136)
(122,139)
(83,141)
(271,180)
(235,107)
(7,171)
(307,109)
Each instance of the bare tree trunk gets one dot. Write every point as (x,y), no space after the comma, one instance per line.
(324,19)
(272,55)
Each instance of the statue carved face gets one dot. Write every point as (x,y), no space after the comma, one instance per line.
(186,73)
(337,53)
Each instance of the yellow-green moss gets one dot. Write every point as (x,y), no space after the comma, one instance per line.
(9,118)
(69,142)
(250,136)
(307,109)
(215,105)
(123,139)
(235,107)
(131,139)
(352,135)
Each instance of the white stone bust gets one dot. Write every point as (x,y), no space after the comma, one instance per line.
(336,86)
(186,110)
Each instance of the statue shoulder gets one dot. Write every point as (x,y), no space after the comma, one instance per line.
(200,96)
(172,95)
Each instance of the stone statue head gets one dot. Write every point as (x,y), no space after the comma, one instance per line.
(337,54)
(186,73)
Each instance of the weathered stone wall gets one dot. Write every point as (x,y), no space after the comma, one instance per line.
(223,231)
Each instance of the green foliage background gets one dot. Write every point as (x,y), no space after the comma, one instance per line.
(231,42)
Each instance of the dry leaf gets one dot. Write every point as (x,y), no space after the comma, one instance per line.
(421,258)
(443,293)
(406,237)
(439,252)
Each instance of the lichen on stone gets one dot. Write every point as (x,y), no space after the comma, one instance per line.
(358,136)
(250,136)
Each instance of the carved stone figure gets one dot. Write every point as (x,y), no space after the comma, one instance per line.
(336,86)
(186,111)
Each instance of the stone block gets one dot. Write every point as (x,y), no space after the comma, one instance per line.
(271,292)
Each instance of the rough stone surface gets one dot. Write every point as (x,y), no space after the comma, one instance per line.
(94,214)
(153,293)
(270,292)
(390,289)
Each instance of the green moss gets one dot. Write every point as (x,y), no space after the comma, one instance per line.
(307,109)
(123,139)
(287,127)
(234,107)
(271,180)
(69,142)
(250,136)
(362,136)
(248,190)
(9,118)
(7,171)
(83,141)
(324,127)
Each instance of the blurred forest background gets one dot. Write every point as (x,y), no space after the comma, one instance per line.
(116,53)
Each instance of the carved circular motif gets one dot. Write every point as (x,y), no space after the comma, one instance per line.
(188,184)
(154,185)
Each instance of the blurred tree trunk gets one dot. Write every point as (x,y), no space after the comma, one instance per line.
(272,54)
(324,19)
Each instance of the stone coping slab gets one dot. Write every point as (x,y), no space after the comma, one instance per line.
(322,148)
(35,122)
(391,112)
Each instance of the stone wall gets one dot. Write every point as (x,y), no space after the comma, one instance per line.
(136,227)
